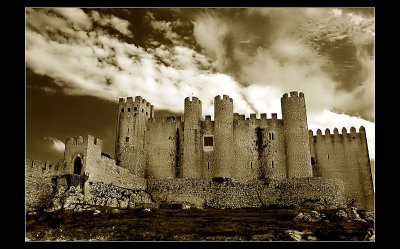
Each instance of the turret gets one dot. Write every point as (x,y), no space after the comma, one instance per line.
(132,121)
(294,115)
(82,153)
(191,160)
(223,135)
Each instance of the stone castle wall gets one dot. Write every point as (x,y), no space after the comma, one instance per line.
(223,136)
(192,139)
(345,157)
(317,193)
(294,115)
(245,150)
(131,132)
(38,182)
(161,146)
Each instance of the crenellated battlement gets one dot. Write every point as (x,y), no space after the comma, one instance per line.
(44,168)
(139,101)
(232,146)
(293,94)
(353,134)
(193,100)
(138,107)
(224,97)
(83,140)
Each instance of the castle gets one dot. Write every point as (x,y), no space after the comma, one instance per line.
(228,147)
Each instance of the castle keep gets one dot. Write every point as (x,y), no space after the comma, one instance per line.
(230,146)
(193,148)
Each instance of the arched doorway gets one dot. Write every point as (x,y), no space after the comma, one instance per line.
(78,166)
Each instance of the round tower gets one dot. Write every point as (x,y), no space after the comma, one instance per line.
(131,127)
(191,159)
(223,135)
(296,137)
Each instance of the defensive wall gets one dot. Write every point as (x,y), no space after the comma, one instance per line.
(156,154)
(344,156)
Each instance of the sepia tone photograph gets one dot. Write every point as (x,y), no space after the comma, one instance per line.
(200,124)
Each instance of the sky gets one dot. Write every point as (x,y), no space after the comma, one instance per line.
(79,62)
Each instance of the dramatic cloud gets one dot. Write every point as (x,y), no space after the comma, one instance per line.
(313,50)
(56,144)
(114,22)
(253,55)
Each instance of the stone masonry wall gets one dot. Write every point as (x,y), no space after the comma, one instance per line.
(38,182)
(345,157)
(317,193)
(192,140)
(133,116)
(161,148)
(107,172)
(223,136)
(294,115)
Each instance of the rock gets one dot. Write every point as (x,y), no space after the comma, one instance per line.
(96,212)
(70,202)
(116,211)
(314,216)
(342,215)
(124,202)
(311,238)
(369,216)
(57,204)
(299,217)
(301,235)
(353,215)
(113,202)
(78,209)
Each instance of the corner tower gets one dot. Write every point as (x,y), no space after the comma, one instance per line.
(294,116)
(223,135)
(191,158)
(131,129)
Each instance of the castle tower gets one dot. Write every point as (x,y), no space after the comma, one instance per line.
(192,148)
(82,154)
(223,135)
(294,115)
(365,171)
(131,128)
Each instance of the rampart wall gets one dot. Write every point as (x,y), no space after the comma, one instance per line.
(345,156)
(161,146)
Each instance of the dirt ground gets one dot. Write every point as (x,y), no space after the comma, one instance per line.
(189,225)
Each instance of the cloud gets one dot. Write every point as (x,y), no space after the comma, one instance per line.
(276,59)
(56,144)
(114,22)
(310,50)
(75,16)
